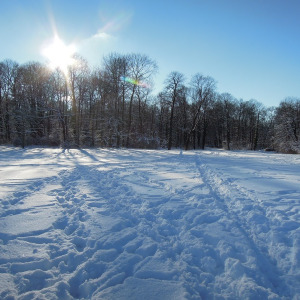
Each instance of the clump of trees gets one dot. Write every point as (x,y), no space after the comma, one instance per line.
(113,106)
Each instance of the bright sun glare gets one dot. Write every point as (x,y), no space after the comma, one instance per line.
(59,54)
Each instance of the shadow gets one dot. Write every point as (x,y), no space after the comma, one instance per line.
(92,157)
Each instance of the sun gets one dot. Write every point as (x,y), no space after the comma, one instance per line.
(59,55)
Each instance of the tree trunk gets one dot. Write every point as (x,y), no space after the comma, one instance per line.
(171,123)
(130,116)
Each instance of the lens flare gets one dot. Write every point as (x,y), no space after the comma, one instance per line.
(134,81)
(115,23)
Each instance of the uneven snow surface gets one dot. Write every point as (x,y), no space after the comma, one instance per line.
(137,224)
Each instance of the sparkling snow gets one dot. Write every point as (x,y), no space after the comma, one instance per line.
(138,224)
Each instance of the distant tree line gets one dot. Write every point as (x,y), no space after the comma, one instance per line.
(113,106)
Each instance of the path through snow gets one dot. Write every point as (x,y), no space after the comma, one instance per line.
(137,224)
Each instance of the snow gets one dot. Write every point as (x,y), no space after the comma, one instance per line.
(141,224)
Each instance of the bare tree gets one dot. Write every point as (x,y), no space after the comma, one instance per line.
(174,87)
(60,113)
(77,83)
(202,90)
(8,73)
(140,70)
(229,107)
(31,101)
(115,91)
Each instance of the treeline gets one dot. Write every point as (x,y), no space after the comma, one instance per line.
(113,106)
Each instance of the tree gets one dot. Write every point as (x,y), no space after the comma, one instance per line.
(77,78)
(59,110)
(174,89)
(114,94)
(202,91)
(287,126)
(8,73)
(140,70)
(229,110)
(30,102)
(248,120)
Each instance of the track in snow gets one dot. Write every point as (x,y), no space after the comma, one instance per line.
(130,224)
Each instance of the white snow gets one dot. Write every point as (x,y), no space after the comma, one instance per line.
(138,224)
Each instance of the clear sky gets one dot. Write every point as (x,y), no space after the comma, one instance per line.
(250,47)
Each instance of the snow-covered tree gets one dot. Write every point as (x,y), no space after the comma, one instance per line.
(287,126)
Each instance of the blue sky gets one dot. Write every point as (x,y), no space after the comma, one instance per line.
(250,47)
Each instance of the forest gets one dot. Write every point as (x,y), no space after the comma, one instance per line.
(114,106)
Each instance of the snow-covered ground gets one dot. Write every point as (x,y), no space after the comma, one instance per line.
(138,224)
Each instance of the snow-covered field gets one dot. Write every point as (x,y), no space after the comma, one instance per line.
(138,224)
